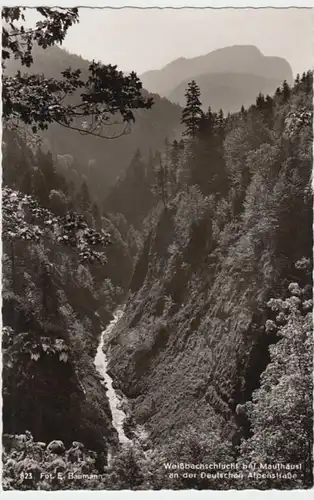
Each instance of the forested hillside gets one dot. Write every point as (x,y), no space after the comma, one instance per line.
(140,177)
(194,340)
(57,293)
(159,337)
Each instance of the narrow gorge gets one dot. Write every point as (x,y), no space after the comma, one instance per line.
(157,257)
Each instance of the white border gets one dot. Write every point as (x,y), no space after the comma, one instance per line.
(166,494)
(166,4)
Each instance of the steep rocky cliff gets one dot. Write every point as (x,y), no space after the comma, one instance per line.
(192,343)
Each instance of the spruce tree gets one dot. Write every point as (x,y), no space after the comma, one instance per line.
(286,91)
(192,114)
(260,101)
(137,168)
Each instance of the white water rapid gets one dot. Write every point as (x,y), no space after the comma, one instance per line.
(101,364)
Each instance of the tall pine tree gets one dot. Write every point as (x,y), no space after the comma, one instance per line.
(192,114)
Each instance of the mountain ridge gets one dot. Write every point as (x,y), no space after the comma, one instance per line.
(250,59)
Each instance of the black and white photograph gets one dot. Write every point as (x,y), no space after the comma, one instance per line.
(157,248)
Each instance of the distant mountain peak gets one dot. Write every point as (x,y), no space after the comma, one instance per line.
(231,59)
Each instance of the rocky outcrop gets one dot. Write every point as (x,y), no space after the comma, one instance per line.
(192,343)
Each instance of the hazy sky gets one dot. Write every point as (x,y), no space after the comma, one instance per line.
(141,40)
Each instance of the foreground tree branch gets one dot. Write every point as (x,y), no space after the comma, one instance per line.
(38,101)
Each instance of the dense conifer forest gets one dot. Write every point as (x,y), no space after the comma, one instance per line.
(204,245)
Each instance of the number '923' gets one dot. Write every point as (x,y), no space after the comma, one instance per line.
(26,475)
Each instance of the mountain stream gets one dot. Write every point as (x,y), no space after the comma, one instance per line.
(115,401)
